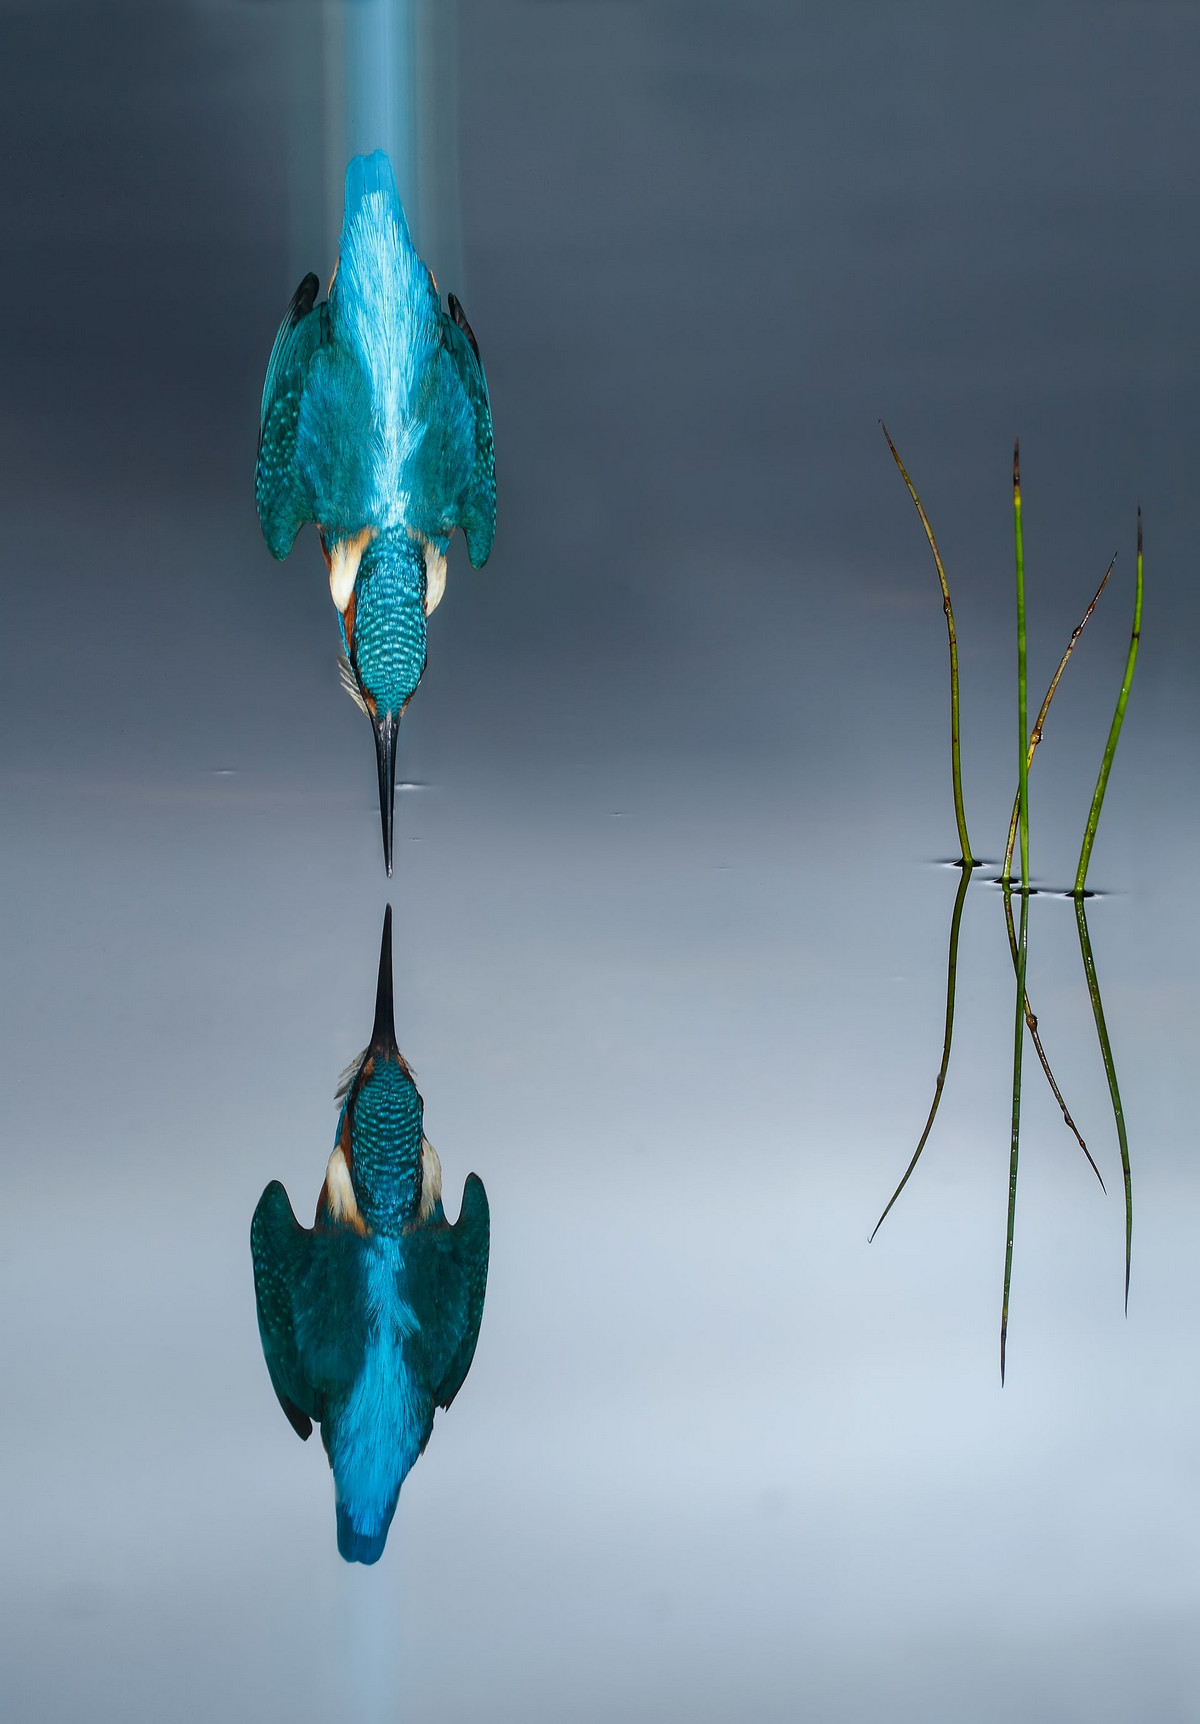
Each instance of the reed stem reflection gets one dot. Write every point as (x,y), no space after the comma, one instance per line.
(1025,1019)
(1110,1072)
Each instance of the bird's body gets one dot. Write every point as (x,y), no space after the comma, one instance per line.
(376,426)
(369,1319)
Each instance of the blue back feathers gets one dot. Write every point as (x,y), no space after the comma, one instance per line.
(375,411)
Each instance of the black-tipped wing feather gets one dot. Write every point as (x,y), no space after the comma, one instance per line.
(447,1282)
(284,503)
(477,515)
(281,1249)
(310,1313)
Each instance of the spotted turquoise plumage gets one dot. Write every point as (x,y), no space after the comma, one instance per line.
(376,425)
(389,625)
(369,1319)
(388,1118)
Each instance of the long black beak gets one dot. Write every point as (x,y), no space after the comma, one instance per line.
(386,731)
(383,1034)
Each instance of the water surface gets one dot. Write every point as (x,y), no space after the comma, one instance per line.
(669,936)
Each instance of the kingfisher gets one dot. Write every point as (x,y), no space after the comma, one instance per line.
(376,426)
(369,1318)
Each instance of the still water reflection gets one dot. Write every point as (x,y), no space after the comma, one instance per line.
(1028,1023)
(666,955)
(369,1319)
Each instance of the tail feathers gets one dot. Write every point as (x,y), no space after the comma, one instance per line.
(367,174)
(362,1546)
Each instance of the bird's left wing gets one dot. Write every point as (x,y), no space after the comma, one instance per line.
(284,503)
(447,1282)
(281,1250)
(308,1286)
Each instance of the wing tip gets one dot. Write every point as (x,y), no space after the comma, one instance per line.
(304,298)
(300,1422)
(460,317)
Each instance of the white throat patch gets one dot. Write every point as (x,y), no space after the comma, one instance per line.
(344,559)
(435,578)
(339,1189)
(431,1180)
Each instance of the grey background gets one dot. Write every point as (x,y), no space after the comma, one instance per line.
(669,943)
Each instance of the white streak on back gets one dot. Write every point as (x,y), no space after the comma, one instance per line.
(387,312)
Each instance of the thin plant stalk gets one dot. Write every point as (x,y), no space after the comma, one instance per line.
(1035,738)
(1023,938)
(1015,1140)
(1114,733)
(1035,735)
(968,860)
(1022,711)
(1110,1071)
(1085,945)
(1035,1036)
(951,982)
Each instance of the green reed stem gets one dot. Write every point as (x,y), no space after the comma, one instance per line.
(1114,732)
(1035,735)
(1023,938)
(1110,1071)
(1035,738)
(1022,712)
(1015,1144)
(951,982)
(1035,1036)
(968,860)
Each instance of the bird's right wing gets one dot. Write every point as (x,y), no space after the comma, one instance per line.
(477,506)
(446,1284)
(283,499)
(472,1242)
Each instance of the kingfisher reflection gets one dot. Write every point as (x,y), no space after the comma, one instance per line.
(369,1318)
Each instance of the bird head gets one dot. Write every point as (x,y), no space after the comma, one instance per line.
(379,582)
(382,1175)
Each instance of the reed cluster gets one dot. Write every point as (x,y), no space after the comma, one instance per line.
(1025,1023)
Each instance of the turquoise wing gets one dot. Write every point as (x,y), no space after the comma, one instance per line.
(477,500)
(311,1314)
(446,1284)
(472,1242)
(280,490)
(281,1251)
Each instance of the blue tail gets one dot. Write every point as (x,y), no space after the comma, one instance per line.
(355,1546)
(367,174)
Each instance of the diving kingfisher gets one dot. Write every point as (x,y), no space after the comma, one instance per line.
(376,426)
(369,1318)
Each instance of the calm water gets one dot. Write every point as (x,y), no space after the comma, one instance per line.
(669,936)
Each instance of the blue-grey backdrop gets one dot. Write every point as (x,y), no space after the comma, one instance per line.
(669,937)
